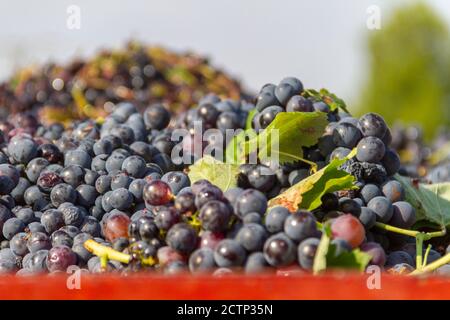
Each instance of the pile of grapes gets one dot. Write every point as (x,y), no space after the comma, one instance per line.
(138,74)
(110,196)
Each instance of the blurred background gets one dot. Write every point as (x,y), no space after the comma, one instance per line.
(401,70)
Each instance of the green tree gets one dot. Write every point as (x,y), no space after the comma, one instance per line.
(409,71)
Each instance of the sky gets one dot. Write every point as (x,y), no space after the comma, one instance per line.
(322,42)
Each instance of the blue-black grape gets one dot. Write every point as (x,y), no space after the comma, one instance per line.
(300,225)
(279,250)
(382,207)
(370,149)
(307,251)
(229,253)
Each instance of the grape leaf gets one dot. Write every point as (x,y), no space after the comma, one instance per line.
(431,201)
(235,151)
(223,175)
(307,193)
(284,138)
(327,258)
(329,98)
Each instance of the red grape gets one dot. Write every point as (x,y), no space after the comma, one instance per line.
(349,228)
(157,193)
(116,226)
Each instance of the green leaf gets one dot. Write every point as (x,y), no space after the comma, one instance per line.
(284,138)
(431,201)
(329,98)
(223,175)
(320,259)
(248,122)
(307,193)
(235,151)
(327,258)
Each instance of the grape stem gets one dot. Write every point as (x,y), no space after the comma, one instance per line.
(420,238)
(432,266)
(106,253)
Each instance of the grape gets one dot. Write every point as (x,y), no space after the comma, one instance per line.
(367,217)
(18,244)
(391,162)
(261,178)
(268,115)
(157,193)
(275,219)
(121,199)
(252,237)
(307,251)
(185,202)
(321,106)
(369,191)
(372,124)
(60,237)
(35,227)
(376,251)
(370,149)
(404,215)
(34,168)
(265,99)
(12,227)
(63,193)
(279,250)
(26,215)
(349,228)
(300,225)
(22,150)
(398,257)
(393,190)
(382,208)
(18,192)
(229,253)
(444,270)
(202,261)
(339,153)
(156,117)
(50,152)
(38,241)
(207,194)
(103,184)
(176,181)
(299,104)
(92,226)
(215,216)
(252,217)
(60,257)
(346,135)
(256,263)
(147,229)
(72,215)
(349,206)
(210,239)
(182,238)
(38,261)
(248,201)
(77,157)
(116,226)
(329,202)
(166,218)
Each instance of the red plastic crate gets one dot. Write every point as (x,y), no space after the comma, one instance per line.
(331,286)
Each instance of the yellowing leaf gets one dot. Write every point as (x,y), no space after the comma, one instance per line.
(223,175)
(307,193)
